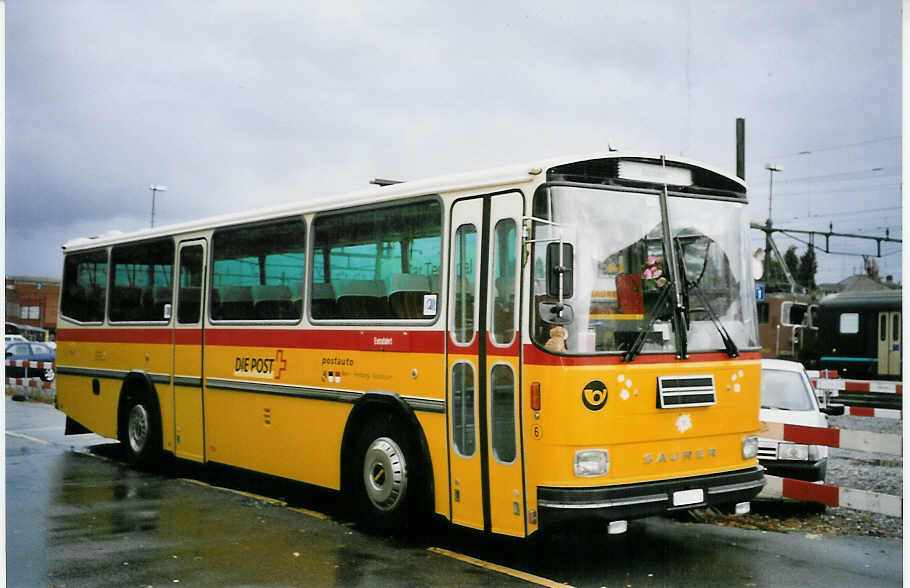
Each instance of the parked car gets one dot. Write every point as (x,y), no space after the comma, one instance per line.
(9,338)
(19,350)
(787,397)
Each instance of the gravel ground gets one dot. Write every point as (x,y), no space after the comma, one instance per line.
(875,472)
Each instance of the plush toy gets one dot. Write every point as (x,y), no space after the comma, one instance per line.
(557,341)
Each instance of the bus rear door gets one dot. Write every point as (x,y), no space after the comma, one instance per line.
(189,435)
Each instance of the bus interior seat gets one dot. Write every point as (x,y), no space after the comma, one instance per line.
(323,296)
(406,292)
(361,299)
(236,303)
(272,302)
(126,303)
(153,301)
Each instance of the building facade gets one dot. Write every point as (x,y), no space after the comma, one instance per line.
(33,301)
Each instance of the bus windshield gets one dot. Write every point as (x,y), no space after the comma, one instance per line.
(622,270)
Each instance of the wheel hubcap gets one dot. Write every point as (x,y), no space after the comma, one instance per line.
(385,474)
(138,427)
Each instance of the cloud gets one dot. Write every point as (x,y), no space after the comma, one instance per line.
(235,107)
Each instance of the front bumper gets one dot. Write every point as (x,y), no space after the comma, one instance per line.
(809,471)
(628,501)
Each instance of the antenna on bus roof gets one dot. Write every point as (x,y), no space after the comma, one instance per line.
(381,182)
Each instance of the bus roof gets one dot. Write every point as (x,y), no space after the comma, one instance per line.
(484,179)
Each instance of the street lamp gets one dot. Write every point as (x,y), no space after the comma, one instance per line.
(771,169)
(155,188)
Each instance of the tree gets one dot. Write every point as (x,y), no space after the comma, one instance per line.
(808,266)
(792,260)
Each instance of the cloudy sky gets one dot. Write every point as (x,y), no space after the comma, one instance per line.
(239,105)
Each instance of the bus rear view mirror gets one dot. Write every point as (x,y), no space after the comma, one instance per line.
(557,268)
(556,314)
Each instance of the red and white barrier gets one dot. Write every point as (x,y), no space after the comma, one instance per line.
(29,382)
(866,411)
(31,364)
(836,385)
(843,439)
(832,495)
(824,374)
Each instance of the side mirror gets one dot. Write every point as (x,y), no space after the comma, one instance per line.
(556,314)
(557,267)
(833,409)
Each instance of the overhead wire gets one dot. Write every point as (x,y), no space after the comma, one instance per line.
(838,147)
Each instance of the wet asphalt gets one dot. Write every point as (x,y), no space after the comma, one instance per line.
(77,516)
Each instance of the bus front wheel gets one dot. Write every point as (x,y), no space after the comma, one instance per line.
(387,487)
(140,433)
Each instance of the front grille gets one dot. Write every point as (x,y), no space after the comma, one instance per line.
(767,449)
(684,391)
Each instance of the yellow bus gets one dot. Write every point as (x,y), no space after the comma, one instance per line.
(511,349)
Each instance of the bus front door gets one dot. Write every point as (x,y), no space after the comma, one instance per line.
(189,435)
(485,452)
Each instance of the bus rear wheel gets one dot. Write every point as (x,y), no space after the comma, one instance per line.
(387,486)
(140,432)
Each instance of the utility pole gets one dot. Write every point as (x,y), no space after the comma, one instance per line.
(771,169)
(741,148)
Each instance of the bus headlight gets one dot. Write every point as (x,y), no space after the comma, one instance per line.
(592,462)
(750,447)
(794,451)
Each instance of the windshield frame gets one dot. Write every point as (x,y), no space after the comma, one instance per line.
(806,388)
(661,191)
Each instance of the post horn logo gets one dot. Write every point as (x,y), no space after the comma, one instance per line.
(594,395)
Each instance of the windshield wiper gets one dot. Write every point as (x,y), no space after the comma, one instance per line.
(635,349)
(732,350)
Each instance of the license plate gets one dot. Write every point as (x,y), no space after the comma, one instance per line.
(685,497)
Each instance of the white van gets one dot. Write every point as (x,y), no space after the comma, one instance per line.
(787,397)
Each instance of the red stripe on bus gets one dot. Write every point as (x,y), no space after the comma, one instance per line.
(807,491)
(471,349)
(512,349)
(115,335)
(812,435)
(353,340)
(347,340)
(188,336)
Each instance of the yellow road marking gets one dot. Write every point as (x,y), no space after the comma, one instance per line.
(311,513)
(259,497)
(28,438)
(497,568)
(273,501)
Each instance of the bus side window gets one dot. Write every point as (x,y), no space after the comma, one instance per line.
(85,286)
(256,270)
(376,263)
(141,277)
